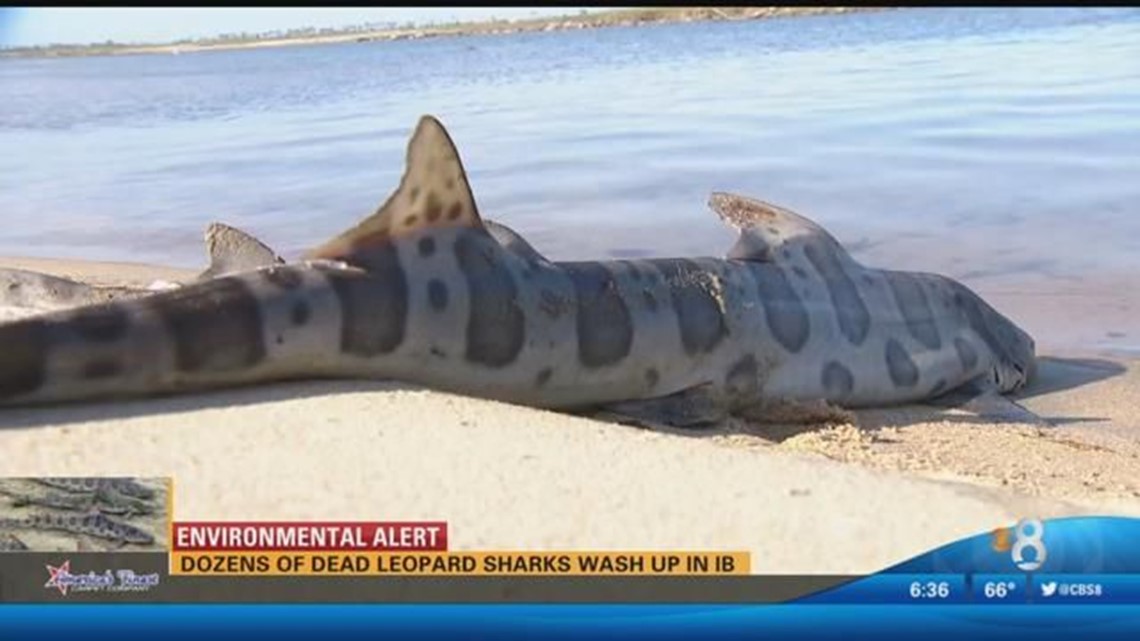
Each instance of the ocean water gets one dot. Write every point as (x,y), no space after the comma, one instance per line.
(988,144)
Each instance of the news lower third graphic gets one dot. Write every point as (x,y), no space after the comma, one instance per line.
(405,548)
(114,539)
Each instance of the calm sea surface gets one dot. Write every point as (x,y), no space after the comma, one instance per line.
(981,143)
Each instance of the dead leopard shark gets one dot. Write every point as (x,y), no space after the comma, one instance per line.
(424,291)
(230,250)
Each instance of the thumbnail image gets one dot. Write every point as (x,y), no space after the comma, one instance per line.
(83,514)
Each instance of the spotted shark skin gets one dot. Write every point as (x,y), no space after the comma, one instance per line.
(93,524)
(230,250)
(425,291)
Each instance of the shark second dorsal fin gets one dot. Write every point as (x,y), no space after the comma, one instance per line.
(766,228)
(513,242)
(433,193)
(233,250)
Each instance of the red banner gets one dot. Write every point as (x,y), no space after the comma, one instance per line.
(376,536)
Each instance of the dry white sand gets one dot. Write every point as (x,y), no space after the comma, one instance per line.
(824,499)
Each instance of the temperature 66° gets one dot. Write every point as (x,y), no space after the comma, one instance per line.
(998,589)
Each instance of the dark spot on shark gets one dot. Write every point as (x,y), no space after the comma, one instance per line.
(850,310)
(102,368)
(300,313)
(437,352)
(900,366)
(374,304)
(991,326)
(967,355)
(450,183)
(284,277)
(433,209)
(100,323)
(650,300)
(215,325)
(837,380)
(784,311)
(699,314)
(786,254)
(799,271)
(496,326)
(652,377)
(23,367)
(414,194)
(867,279)
(552,304)
(915,308)
(543,377)
(455,211)
(604,326)
(743,378)
(437,294)
(773,231)
(426,246)
(410,221)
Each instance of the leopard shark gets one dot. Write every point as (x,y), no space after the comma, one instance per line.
(25,292)
(426,292)
(92,524)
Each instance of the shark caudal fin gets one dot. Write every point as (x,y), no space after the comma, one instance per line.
(433,193)
(233,250)
(765,229)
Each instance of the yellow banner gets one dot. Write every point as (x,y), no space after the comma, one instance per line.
(270,563)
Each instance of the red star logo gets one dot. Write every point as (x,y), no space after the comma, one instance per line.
(62,571)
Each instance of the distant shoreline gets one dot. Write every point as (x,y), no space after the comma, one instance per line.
(602,19)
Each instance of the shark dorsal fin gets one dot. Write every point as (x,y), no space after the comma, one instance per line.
(433,192)
(765,228)
(513,242)
(233,250)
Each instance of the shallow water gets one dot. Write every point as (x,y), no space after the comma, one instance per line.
(1000,146)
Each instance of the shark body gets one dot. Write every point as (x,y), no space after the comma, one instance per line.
(92,524)
(425,291)
(28,292)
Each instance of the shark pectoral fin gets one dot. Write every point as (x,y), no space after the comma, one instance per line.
(795,412)
(766,228)
(433,192)
(980,398)
(512,241)
(233,250)
(696,407)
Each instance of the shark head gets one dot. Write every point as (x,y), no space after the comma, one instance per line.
(1018,366)
(1014,361)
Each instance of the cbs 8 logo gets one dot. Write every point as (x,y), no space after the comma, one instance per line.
(1028,534)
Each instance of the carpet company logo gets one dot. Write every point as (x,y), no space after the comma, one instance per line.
(62,579)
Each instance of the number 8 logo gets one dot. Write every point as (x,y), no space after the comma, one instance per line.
(1030,539)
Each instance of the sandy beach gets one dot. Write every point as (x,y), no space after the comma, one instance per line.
(843,498)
